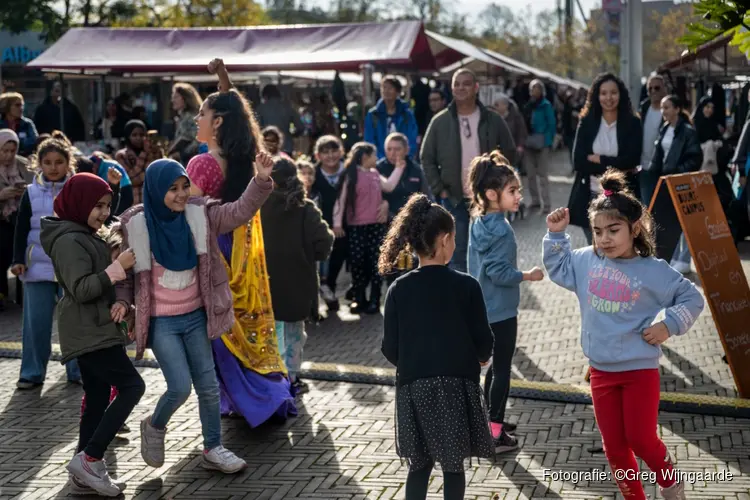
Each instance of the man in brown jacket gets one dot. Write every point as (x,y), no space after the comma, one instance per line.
(464,130)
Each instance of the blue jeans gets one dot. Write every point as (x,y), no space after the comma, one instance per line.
(39,300)
(183,350)
(460,213)
(292,339)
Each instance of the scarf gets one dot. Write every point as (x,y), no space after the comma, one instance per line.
(79,196)
(9,175)
(169,233)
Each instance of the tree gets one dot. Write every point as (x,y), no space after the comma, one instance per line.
(665,41)
(720,17)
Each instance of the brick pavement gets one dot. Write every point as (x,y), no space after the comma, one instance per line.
(549,324)
(341,446)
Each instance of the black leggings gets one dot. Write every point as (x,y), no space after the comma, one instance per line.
(364,252)
(454,484)
(100,371)
(336,261)
(497,381)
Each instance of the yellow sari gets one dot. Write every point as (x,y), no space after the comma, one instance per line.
(252,339)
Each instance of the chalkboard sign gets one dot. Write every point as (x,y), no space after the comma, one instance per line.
(694,208)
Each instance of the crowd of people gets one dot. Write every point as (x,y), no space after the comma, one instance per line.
(214,254)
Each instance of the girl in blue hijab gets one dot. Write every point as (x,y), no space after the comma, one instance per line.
(168,230)
(188,302)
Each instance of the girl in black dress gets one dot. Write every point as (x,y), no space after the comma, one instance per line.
(437,335)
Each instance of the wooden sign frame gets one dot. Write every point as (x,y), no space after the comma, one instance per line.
(694,205)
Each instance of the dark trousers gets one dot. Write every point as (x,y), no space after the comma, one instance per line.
(7,231)
(364,251)
(454,484)
(497,381)
(100,371)
(336,261)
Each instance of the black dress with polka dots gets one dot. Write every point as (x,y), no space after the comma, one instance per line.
(442,420)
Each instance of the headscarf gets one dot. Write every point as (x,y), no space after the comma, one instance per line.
(9,175)
(129,127)
(79,196)
(706,128)
(169,233)
(7,135)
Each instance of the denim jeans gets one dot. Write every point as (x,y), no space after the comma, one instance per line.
(183,350)
(292,339)
(40,298)
(460,213)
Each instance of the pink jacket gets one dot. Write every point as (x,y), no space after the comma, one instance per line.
(207,219)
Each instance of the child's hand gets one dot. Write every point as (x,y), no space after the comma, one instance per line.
(535,274)
(18,269)
(656,334)
(339,232)
(127,259)
(558,220)
(114,176)
(118,312)
(263,165)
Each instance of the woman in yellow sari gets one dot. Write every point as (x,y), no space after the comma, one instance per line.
(251,372)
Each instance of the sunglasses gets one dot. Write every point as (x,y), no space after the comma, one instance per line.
(466,127)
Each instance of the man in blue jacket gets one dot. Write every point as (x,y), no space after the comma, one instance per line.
(390,114)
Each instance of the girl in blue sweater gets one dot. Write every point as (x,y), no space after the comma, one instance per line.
(496,189)
(621,288)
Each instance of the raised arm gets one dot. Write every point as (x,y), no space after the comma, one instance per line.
(217,67)
(389,184)
(230,216)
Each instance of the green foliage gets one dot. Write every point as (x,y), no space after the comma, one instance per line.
(720,17)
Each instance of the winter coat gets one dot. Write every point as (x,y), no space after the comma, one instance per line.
(295,239)
(207,219)
(441,148)
(80,259)
(376,126)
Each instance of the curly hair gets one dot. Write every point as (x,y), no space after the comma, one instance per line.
(489,171)
(617,201)
(238,138)
(594,108)
(286,180)
(416,227)
(54,145)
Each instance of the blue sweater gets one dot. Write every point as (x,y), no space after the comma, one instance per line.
(619,298)
(493,262)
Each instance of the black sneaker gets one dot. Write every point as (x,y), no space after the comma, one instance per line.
(509,427)
(300,387)
(504,442)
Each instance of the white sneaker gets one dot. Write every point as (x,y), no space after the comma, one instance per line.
(327,293)
(93,474)
(79,489)
(152,443)
(682,267)
(223,460)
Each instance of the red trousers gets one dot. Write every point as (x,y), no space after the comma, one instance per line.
(626,405)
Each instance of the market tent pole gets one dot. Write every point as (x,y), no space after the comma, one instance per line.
(62,102)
